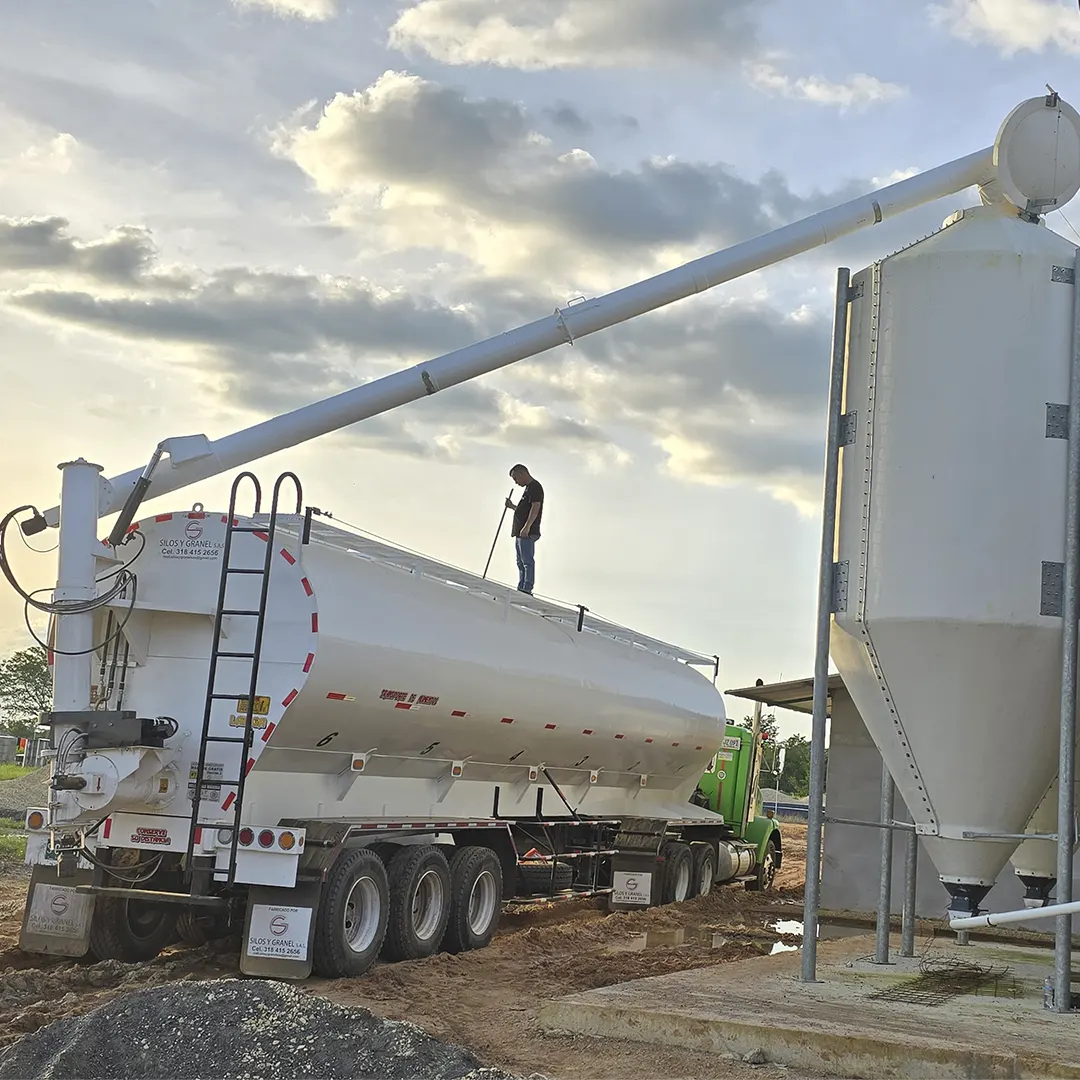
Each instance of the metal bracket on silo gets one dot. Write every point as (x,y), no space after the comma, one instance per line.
(856,291)
(1053,589)
(1066,275)
(1057,421)
(847,428)
(839,585)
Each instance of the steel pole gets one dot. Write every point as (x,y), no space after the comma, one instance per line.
(884,904)
(1067,733)
(816,807)
(911,876)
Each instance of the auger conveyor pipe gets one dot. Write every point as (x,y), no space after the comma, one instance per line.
(564,326)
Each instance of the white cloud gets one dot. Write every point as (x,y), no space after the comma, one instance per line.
(543,34)
(311,10)
(859,90)
(1013,25)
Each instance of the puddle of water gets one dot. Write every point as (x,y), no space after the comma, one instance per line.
(788,926)
(684,935)
(780,947)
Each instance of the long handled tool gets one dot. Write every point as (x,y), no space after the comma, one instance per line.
(487,565)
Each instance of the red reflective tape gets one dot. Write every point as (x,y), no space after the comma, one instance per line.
(130,529)
(648,740)
(163,517)
(368,825)
(620,736)
(287,557)
(229,800)
(198,835)
(269,731)
(309,661)
(108,828)
(336,697)
(307,585)
(458,712)
(506,720)
(263,536)
(225,520)
(402,705)
(314,622)
(550,727)
(196,515)
(249,766)
(290,698)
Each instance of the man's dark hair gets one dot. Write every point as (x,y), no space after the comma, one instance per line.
(517,469)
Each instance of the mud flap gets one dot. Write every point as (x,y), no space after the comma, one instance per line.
(279,928)
(56,920)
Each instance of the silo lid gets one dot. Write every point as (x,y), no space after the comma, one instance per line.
(1037,154)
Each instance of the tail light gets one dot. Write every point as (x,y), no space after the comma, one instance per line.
(266,838)
(287,841)
(246,837)
(35,820)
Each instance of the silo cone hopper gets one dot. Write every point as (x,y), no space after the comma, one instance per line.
(947,625)
(1035,861)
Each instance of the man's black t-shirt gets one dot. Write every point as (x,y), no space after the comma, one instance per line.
(533,493)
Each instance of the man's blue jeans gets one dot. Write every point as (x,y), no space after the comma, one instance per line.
(525,547)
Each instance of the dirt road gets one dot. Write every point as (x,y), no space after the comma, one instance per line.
(487,1000)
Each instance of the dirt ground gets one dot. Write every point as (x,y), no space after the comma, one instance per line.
(486,1000)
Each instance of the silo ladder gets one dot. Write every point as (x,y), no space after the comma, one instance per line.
(201,781)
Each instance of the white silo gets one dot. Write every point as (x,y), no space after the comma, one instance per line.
(950,534)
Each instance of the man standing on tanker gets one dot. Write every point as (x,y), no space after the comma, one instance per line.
(526,527)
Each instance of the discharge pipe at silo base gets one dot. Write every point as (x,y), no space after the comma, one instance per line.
(195,457)
(1003,918)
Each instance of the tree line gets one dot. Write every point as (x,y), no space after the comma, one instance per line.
(25,691)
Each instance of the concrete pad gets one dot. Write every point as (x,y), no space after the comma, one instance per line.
(833,1027)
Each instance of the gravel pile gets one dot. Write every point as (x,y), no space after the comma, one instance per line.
(233,1029)
(17,796)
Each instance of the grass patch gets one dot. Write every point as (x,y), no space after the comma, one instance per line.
(10,824)
(12,849)
(14,772)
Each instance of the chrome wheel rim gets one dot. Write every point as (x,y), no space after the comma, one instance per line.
(482,901)
(362,910)
(428,902)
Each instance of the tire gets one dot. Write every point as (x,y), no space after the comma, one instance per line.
(534,879)
(419,879)
(198,928)
(765,874)
(703,872)
(129,930)
(350,925)
(676,869)
(476,888)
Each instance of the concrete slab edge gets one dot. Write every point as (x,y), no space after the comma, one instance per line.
(813,1051)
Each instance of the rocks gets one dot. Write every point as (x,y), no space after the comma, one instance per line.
(756,1057)
(233,1029)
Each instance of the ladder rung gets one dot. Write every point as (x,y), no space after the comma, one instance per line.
(224,738)
(238,611)
(212,782)
(228,697)
(244,570)
(237,655)
(250,528)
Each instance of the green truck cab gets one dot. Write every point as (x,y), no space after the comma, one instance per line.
(730,787)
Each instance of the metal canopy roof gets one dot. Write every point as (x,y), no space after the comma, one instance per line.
(795,694)
(359,544)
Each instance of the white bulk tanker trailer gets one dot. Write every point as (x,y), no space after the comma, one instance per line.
(364,751)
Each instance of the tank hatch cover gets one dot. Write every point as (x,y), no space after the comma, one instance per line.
(1037,154)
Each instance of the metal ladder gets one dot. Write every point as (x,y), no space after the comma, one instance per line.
(253,658)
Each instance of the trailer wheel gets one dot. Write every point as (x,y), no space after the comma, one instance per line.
(350,925)
(130,930)
(677,871)
(704,869)
(419,903)
(765,874)
(476,886)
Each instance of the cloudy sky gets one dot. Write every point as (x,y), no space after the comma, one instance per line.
(217,210)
